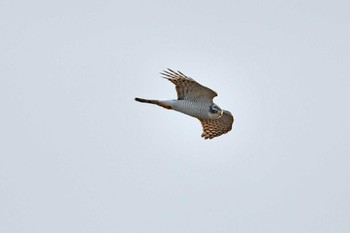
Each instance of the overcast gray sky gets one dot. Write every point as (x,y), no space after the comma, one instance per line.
(78,154)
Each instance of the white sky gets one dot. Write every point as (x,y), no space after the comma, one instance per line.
(78,154)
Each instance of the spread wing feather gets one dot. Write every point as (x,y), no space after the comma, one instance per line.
(217,127)
(187,88)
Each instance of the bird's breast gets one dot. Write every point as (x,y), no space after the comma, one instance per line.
(194,109)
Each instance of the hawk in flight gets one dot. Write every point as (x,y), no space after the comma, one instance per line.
(196,100)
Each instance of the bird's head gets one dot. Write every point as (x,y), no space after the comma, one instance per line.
(215,111)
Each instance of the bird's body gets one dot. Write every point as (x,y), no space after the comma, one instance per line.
(191,108)
(197,101)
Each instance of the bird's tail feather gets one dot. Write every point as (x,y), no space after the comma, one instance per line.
(157,102)
(146,101)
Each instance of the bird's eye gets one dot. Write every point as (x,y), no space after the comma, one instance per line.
(213,110)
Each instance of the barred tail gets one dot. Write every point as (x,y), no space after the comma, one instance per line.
(157,102)
(146,101)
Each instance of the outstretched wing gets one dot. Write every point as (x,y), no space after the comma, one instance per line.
(217,127)
(187,88)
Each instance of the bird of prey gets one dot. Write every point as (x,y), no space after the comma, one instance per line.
(196,100)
